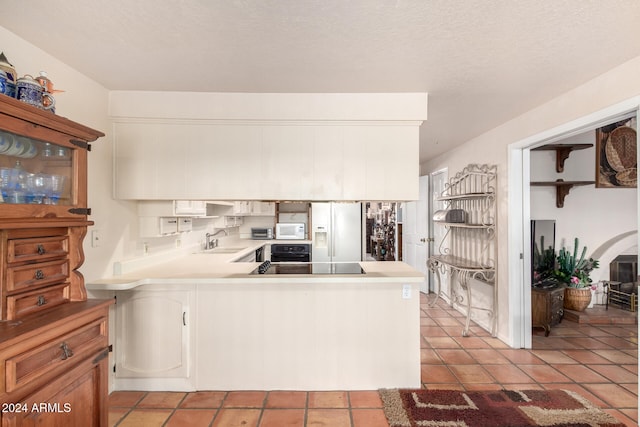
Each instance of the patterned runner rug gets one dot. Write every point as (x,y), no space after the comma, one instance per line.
(495,408)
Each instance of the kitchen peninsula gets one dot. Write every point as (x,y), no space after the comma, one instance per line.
(205,322)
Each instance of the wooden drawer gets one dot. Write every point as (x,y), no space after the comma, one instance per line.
(57,355)
(36,249)
(37,275)
(24,303)
(78,398)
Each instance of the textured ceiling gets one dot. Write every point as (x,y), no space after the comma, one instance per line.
(482,62)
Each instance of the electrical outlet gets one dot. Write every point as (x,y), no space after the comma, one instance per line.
(406,291)
(178,243)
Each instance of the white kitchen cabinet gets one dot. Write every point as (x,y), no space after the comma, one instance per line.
(233,220)
(150,161)
(287,162)
(263,208)
(187,208)
(190,207)
(328,163)
(185,225)
(254,208)
(242,208)
(154,226)
(224,162)
(153,338)
(182,160)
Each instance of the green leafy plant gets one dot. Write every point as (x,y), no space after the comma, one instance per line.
(574,270)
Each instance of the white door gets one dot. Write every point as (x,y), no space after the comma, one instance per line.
(437,182)
(414,232)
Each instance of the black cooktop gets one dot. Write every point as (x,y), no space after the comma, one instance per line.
(269,267)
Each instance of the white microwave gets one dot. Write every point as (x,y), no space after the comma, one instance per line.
(290,231)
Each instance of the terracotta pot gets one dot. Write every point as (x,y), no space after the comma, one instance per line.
(577,299)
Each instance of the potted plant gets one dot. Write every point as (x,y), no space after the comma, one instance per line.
(575,273)
(544,262)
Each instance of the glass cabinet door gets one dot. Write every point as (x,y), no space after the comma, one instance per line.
(36,172)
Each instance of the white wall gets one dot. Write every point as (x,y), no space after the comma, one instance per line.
(84,101)
(593,215)
(617,85)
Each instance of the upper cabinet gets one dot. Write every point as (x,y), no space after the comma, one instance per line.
(267,146)
(183,160)
(43,163)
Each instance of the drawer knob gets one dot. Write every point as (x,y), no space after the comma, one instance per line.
(40,250)
(39,274)
(41,300)
(66,351)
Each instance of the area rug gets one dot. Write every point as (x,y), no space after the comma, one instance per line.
(494,408)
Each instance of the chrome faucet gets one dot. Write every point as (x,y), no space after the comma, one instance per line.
(211,243)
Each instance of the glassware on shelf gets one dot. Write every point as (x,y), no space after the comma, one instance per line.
(54,189)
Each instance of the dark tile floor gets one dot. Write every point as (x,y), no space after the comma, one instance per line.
(598,361)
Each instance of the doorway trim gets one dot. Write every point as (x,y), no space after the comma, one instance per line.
(519,213)
(432,244)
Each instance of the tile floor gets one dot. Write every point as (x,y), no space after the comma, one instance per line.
(599,362)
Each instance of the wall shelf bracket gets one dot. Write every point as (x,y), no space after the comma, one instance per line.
(562,188)
(562,152)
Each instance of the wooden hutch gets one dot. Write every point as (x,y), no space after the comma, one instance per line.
(53,341)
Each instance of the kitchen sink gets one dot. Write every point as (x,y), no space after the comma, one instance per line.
(223,250)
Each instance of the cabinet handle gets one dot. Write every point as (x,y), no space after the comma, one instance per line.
(66,351)
(39,274)
(184,318)
(41,301)
(40,250)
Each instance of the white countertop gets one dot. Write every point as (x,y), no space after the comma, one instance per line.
(215,268)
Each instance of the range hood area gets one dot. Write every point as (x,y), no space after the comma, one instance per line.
(313,147)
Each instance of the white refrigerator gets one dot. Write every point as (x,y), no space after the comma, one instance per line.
(336,232)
